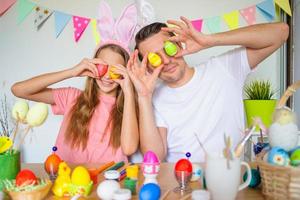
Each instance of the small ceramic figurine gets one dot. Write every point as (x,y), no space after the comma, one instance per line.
(150,167)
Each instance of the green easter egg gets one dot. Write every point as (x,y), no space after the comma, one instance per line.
(295,158)
(37,114)
(170,48)
(20,110)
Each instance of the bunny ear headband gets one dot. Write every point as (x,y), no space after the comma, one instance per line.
(119,32)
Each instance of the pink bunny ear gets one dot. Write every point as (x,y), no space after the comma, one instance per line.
(126,24)
(105,22)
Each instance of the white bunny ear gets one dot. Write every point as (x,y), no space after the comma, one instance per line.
(126,24)
(146,13)
(105,21)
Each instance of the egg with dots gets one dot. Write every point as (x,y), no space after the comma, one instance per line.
(25,177)
(154,59)
(102,69)
(184,165)
(112,74)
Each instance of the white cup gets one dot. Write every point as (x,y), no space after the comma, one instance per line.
(224,183)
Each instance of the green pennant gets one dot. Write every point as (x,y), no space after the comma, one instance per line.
(24,8)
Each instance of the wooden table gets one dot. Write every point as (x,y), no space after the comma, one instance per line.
(165,179)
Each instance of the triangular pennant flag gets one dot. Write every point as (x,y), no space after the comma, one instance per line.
(61,20)
(5,5)
(232,19)
(267,9)
(249,14)
(95,31)
(41,15)
(197,24)
(213,24)
(80,24)
(277,11)
(24,8)
(284,5)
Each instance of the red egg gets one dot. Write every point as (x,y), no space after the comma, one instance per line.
(183,165)
(102,69)
(51,164)
(26,177)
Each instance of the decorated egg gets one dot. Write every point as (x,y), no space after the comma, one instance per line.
(150,157)
(170,48)
(102,69)
(5,143)
(278,156)
(37,114)
(197,172)
(20,110)
(112,74)
(184,165)
(26,177)
(107,188)
(52,162)
(154,59)
(149,191)
(255,178)
(80,176)
(295,157)
(150,163)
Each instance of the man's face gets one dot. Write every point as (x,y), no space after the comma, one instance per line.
(173,68)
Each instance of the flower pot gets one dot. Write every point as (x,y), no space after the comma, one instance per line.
(10,166)
(259,108)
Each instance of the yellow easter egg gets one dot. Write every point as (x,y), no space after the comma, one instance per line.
(154,59)
(5,143)
(112,74)
(80,176)
(20,110)
(37,114)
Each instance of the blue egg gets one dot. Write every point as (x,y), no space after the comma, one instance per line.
(278,156)
(149,191)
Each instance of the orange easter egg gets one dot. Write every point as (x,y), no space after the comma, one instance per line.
(52,162)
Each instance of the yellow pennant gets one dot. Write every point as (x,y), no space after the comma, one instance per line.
(95,31)
(284,5)
(232,19)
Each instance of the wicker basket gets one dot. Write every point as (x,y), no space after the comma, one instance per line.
(280,183)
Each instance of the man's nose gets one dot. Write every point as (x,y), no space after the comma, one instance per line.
(165,58)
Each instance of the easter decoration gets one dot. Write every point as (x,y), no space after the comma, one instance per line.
(150,167)
(106,188)
(112,74)
(154,59)
(183,172)
(79,183)
(170,48)
(27,186)
(51,164)
(150,191)
(102,69)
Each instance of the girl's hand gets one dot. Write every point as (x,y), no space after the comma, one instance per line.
(87,67)
(193,40)
(143,82)
(125,81)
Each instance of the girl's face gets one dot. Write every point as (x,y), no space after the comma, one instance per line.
(105,84)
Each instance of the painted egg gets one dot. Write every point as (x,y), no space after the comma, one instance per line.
(197,172)
(25,177)
(80,176)
(37,114)
(255,178)
(170,48)
(295,157)
(5,143)
(154,59)
(20,110)
(102,69)
(112,74)
(278,156)
(184,165)
(107,188)
(149,191)
(52,162)
(150,157)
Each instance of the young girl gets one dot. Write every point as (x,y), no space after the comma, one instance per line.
(100,123)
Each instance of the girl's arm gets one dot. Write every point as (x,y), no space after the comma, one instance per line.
(36,88)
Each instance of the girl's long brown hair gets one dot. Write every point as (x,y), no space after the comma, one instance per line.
(77,132)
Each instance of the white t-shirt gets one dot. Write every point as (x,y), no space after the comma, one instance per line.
(209,105)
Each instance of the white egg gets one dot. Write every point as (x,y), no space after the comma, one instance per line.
(20,110)
(37,114)
(106,189)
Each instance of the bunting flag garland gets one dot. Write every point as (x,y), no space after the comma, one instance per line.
(270,9)
(267,9)
(197,24)
(41,15)
(249,15)
(61,20)
(232,19)
(24,8)
(80,24)
(5,5)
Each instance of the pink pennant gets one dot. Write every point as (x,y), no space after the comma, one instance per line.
(5,5)
(80,24)
(249,14)
(197,24)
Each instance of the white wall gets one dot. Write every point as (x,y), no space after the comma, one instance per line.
(25,52)
(296,56)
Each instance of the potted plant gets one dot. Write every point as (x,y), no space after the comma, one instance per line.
(259,102)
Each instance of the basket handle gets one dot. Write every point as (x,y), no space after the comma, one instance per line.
(289,92)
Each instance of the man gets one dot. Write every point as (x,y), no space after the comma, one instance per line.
(192,108)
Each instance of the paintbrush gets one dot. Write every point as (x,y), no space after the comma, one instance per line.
(239,148)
